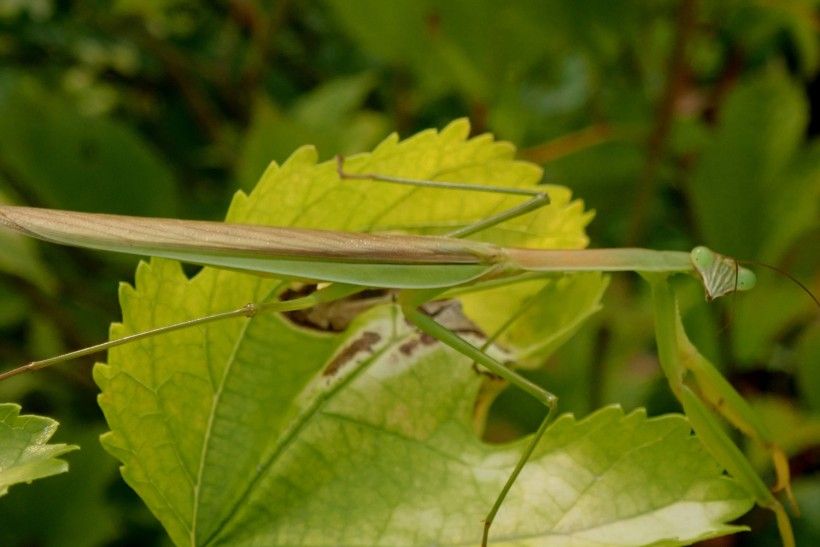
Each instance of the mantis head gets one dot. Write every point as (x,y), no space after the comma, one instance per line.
(720,274)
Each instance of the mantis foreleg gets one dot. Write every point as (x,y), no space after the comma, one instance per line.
(720,394)
(722,397)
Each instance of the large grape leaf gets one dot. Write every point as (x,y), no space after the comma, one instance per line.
(25,454)
(321,450)
(261,431)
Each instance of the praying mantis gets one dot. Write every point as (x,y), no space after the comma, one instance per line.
(421,268)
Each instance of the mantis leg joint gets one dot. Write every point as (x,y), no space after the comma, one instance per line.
(250,309)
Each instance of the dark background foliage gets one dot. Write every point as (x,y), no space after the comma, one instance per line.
(679,122)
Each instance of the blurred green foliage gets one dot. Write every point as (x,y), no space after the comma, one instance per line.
(679,122)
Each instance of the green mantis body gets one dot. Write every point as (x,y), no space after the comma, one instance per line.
(367,260)
(423,268)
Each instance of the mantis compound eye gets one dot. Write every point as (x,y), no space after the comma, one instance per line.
(703,258)
(746,279)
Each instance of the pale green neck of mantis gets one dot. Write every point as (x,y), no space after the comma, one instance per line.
(720,274)
(600,260)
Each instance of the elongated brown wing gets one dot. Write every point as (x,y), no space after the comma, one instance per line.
(380,260)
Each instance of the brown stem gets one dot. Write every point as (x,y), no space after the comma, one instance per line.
(569,143)
(674,88)
(724,85)
(262,22)
(178,68)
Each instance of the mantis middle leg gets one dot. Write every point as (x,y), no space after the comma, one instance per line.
(327,294)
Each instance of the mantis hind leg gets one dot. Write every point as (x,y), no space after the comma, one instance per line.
(537,198)
(409,302)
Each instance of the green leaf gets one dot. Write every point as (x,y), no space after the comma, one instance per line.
(320,201)
(445,45)
(807,492)
(802,433)
(328,117)
(795,206)
(25,454)
(80,492)
(290,448)
(93,164)
(559,225)
(759,29)
(739,173)
(260,430)
(546,322)
(808,373)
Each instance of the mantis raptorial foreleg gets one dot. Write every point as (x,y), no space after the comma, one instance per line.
(410,300)
(713,388)
(679,365)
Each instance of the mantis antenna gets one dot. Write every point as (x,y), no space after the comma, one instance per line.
(788,276)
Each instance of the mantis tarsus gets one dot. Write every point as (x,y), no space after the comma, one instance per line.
(422,268)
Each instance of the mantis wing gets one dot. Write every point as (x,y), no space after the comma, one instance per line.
(354,258)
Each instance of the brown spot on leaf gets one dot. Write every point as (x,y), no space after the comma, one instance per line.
(408,347)
(331,316)
(448,313)
(481,371)
(423,339)
(362,343)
